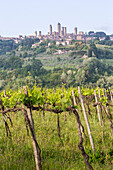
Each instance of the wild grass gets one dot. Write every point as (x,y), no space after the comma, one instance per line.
(57,154)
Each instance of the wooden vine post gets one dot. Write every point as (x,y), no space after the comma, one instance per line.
(97,108)
(5,121)
(37,151)
(79,125)
(107,107)
(101,107)
(86,120)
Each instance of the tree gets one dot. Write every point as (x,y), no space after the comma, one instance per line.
(91,33)
(13,53)
(94,49)
(107,38)
(89,52)
(13,62)
(25,55)
(34,68)
(100,34)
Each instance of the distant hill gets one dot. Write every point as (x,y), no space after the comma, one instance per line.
(51,65)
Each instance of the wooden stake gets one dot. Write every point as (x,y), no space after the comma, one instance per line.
(37,151)
(107,107)
(101,107)
(86,120)
(80,145)
(81,126)
(97,108)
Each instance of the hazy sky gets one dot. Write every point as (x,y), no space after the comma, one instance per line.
(25,16)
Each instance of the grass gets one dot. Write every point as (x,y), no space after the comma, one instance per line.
(57,154)
(51,61)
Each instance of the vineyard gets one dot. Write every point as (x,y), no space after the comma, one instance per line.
(67,128)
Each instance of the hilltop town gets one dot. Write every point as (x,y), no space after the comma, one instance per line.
(61,36)
(58,57)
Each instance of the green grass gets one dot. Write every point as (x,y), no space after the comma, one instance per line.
(17,153)
(51,61)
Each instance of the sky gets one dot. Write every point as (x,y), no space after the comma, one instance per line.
(24,17)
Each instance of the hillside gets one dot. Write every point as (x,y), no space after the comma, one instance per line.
(76,64)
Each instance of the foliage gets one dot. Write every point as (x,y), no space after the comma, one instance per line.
(56,153)
(15,65)
(26,44)
(99,53)
(7,46)
(106,42)
(100,34)
(91,70)
(39,50)
(76,53)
